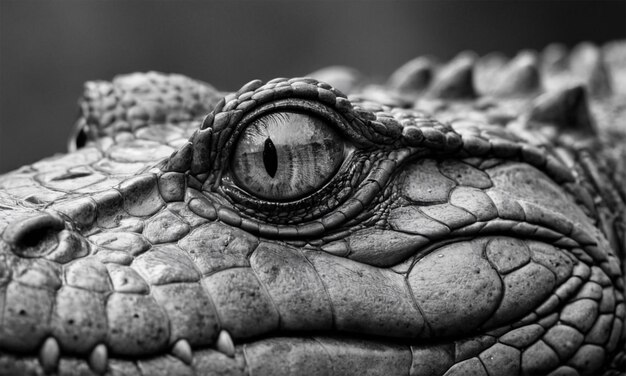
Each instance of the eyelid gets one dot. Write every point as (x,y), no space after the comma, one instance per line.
(332,118)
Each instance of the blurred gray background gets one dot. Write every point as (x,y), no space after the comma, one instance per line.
(49,48)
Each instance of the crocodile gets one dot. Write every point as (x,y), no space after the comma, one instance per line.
(459,218)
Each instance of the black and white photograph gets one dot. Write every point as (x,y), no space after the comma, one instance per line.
(304,188)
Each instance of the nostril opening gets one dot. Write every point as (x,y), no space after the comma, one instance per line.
(33,236)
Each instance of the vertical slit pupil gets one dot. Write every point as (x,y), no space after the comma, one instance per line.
(270,158)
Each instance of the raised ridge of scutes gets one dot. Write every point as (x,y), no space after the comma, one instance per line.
(455,80)
(567,109)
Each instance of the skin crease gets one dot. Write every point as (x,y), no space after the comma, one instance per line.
(469,221)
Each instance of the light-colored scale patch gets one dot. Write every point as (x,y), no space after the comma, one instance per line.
(79,330)
(507,254)
(13,180)
(383,247)
(141,195)
(162,133)
(71,179)
(423,183)
(82,157)
(215,247)
(24,310)
(526,184)
(37,273)
(184,211)
(581,314)
(455,288)
(564,339)
(37,194)
(452,216)
(165,227)
(191,313)
(465,174)
(361,297)
(474,201)
(580,337)
(126,279)
(129,242)
(103,185)
(411,220)
(472,366)
(165,264)
(545,208)
(522,337)
(539,358)
(172,186)
(296,289)
(111,167)
(137,325)
(469,347)
(139,151)
(431,360)
(242,303)
(22,188)
(501,359)
(88,274)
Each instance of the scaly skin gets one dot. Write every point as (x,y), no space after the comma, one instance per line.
(475,225)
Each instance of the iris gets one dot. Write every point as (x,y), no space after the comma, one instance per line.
(284,156)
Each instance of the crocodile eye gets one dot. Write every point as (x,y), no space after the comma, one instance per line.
(284,156)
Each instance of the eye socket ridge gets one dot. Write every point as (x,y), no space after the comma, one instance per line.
(304,106)
(287,150)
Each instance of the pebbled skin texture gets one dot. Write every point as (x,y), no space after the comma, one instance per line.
(476,227)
